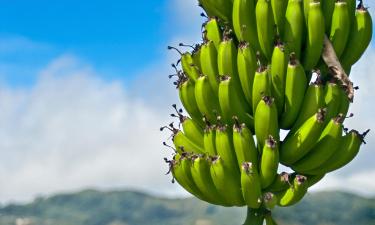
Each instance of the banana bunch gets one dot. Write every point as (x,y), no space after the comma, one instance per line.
(260,70)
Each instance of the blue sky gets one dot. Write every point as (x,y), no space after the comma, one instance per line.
(84,89)
(118,37)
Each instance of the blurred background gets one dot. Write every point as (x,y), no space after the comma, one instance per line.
(84,89)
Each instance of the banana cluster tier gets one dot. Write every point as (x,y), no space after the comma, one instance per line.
(259,70)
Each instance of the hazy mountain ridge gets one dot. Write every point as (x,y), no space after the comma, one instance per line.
(92,207)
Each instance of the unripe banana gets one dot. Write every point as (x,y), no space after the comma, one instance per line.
(250,184)
(328,7)
(294,27)
(213,32)
(184,179)
(340,27)
(207,101)
(187,96)
(244,145)
(209,65)
(227,58)
(196,54)
(295,87)
(269,200)
(201,175)
(219,8)
(295,193)
(299,143)
(348,149)
(225,147)
(323,149)
(227,182)
(192,130)
(279,66)
(280,183)
(312,101)
(261,85)
(352,5)
(313,179)
(345,103)
(209,139)
(244,23)
(233,103)
(189,67)
(184,144)
(359,38)
(332,99)
(269,162)
(227,62)
(266,122)
(278,10)
(246,64)
(265,27)
(315,36)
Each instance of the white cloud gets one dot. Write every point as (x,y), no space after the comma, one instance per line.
(73,130)
(360,183)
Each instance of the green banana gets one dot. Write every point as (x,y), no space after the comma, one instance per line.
(192,130)
(269,200)
(348,149)
(279,66)
(324,148)
(344,104)
(200,172)
(209,139)
(265,27)
(177,167)
(269,162)
(225,147)
(183,143)
(295,87)
(227,62)
(227,58)
(294,27)
(250,184)
(278,11)
(244,23)
(266,122)
(299,143)
(313,179)
(295,193)
(328,7)
(332,99)
(213,32)
(359,38)
(209,65)
(227,182)
(315,36)
(261,85)
(191,70)
(312,101)
(196,54)
(280,183)
(206,99)
(246,64)
(244,145)
(352,5)
(219,8)
(340,27)
(233,103)
(186,90)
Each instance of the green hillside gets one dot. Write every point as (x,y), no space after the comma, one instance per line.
(134,208)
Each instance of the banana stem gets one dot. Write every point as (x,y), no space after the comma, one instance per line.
(254,216)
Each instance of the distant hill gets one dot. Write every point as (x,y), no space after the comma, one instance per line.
(92,207)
